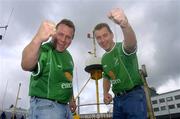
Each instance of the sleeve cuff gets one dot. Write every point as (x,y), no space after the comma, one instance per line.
(35,73)
(128,54)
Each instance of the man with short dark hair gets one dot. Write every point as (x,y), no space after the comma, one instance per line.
(120,66)
(52,66)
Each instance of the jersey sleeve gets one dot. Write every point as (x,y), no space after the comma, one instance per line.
(106,76)
(41,62)
(128,54)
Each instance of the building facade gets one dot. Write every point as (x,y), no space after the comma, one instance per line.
(167,105)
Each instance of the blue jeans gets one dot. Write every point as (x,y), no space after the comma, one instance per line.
(47,109)
(131,105)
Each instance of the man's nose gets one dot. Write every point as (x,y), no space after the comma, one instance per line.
(63,39)
(102,40)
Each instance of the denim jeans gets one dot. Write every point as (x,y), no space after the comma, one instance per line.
(47,109)
(131,105)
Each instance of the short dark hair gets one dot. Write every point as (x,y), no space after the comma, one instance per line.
(67,22)
(100,26)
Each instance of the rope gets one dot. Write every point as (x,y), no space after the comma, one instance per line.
(77,82)
(82,88)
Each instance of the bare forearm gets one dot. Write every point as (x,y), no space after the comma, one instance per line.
(117,15)
(129,38)
(72,98)
(106,86)
(30,55)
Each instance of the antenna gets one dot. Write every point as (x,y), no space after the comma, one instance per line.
(6,26)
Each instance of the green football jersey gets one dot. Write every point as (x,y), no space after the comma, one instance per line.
(52,78)
(121,69)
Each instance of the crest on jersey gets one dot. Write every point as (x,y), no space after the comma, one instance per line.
(112,75)
(68,76)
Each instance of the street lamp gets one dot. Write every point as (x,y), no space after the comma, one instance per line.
(17,98)
(94,67)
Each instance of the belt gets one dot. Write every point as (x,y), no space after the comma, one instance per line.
(127,91)
(50,100)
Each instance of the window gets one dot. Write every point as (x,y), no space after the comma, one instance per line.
(171,106)
(169,99)
(156,109)
(178,105)
(154,102)
(177,97)
(163,108)
(161,100)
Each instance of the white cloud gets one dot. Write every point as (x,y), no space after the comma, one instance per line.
(170,85)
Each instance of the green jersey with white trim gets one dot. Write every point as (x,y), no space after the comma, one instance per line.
(52,78)
(121,69)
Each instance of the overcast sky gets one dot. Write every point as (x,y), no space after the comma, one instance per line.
(156,24)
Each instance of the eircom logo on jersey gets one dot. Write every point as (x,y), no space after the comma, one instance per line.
(68,77)
(66,85)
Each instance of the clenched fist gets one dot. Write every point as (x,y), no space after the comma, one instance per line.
(72,105)
(46,30)
(107,98)
(117,15)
